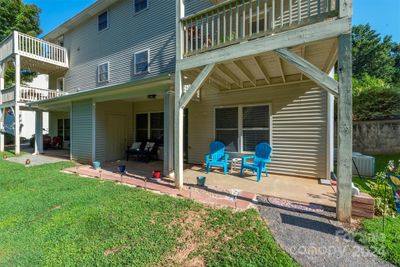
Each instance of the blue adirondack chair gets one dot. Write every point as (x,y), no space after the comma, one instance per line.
(217,156)
(260,160)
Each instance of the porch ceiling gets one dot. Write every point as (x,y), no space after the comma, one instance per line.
(41,66)
(267,69)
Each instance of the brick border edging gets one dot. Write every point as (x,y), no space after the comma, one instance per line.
(243,201)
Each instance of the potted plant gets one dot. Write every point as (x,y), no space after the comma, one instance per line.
(96,165)
(201,180)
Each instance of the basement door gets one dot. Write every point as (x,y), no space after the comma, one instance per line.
(116,137)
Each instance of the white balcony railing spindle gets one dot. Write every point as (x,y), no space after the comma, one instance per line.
(32,94)
(240,20)
(41,50)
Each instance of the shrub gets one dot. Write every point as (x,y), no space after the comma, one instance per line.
(371,103)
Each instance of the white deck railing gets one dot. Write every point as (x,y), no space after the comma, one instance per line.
(8,95)
(234,21)
(30,94)
(33,48)
(6,47)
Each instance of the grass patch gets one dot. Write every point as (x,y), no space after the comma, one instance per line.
(48,218)
(386,243)
(9,154)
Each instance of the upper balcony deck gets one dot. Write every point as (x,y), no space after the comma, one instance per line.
(236,21)
(34,49)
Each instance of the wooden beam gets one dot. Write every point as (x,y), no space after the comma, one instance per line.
(230,74)
(214,80)
(218,81)
(205,73)
(272,85)
(303,55)
(307,34)
(310,70)
(345,8)
(245,72)
(281,69)
(345,130)
(332,58)
(262,68)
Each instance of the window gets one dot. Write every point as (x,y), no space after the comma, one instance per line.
(242,128)
(150,126)
(60,84)
(63,129)
(141,60)
(103,72)
(226,127)
(255,126)
(102,21)
(140,5)
(142,127)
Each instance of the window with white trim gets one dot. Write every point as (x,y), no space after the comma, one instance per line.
(242,128)
(150,126)
(102,21)
(60,83)
(103,72)
(140,5)
(142,61)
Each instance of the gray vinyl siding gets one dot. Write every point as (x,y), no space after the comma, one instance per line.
(299,125)
(82,131)
(128,33)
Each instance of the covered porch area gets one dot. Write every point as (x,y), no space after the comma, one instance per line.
(278,89)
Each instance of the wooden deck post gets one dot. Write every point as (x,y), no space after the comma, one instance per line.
(169,105)
(17,107)
(178,146)
(330,130)
(345,147)
(38,132)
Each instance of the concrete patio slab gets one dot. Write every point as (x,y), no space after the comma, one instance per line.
(280,186)
(35,160)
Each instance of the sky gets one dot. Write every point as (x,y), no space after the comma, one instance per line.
(383,15)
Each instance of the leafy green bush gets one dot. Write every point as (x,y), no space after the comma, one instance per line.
(374,99)
(379,187)
(381,191)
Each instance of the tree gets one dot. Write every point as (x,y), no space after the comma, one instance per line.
(396,55)
(17,16)
(373,55)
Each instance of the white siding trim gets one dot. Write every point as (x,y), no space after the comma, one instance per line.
(93,130)
(108,72)
(71,143)
(148,62)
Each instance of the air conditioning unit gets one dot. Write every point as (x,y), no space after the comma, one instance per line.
(364,164)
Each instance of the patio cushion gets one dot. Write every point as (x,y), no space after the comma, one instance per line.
(136,145)
(150,146)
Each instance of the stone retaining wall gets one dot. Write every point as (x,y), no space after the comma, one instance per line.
(376,137)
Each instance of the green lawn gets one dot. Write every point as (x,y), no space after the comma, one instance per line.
(48,218)
(385,243)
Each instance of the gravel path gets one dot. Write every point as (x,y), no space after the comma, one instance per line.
(312,236)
